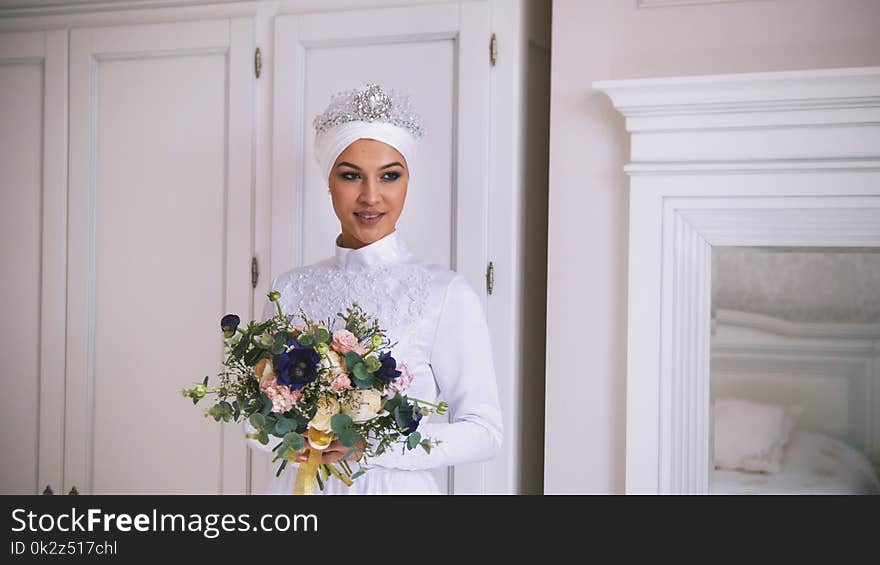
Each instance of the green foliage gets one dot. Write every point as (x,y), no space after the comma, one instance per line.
(294,441)
(352,359)
(280,343)
(360,371)
(349,437)
(321,336)
(340,422)
(413,440)
(258,421)
(253,356)
(373,364)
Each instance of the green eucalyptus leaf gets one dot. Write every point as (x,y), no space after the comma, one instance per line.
(267,403)
(360,371)
(373,363)
(349,437)
(305,340)
(283,426)
(352,359)
(258,421)
(413,440)
(294,441)
(322,336)
(364,383)
(340,422)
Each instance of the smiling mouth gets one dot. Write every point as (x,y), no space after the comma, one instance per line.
(369,216)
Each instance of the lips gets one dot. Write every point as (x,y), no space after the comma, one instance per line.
(369,218)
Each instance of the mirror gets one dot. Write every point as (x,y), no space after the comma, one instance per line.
(795,370)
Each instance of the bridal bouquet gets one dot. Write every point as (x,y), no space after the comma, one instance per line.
(311,383)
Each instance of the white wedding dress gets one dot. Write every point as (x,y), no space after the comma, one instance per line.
(436,318)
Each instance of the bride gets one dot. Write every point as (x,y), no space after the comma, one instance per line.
(365,146)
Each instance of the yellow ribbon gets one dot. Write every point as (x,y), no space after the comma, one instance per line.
(306,477)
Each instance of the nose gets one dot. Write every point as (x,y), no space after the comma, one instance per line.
(370,195)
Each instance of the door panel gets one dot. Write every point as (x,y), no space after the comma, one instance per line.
(33,80)
(160,240)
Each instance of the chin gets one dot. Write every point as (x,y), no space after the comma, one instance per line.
(370,236)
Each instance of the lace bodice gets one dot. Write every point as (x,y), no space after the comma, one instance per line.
(437,321)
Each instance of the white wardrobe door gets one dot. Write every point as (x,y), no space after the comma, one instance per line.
(438,54)
(160,249)
(32,215)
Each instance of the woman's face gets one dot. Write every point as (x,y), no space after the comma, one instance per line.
(368,187)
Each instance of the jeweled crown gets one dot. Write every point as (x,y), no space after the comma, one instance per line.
(370,104)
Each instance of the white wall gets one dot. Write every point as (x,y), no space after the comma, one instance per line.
(587,234)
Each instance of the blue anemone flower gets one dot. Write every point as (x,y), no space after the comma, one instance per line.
(298,367)
(410,419)
(388,371)
(228,324)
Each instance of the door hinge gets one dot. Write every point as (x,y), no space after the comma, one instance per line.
(258,62)
(490,277)
(255,272)
(493,50)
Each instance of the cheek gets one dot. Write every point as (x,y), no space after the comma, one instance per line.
(399,199)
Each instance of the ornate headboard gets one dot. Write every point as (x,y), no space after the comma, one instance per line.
(832,370)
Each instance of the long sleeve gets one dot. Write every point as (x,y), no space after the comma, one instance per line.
(461,360)
(268,312)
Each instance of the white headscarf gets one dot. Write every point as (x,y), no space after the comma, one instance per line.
(330,143)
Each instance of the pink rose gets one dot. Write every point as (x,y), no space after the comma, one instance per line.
(345,341)
(340,382)
(297,330)
(283,399)
(401,383)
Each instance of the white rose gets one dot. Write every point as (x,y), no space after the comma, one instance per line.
(332,363)
(363,405)
(327,408)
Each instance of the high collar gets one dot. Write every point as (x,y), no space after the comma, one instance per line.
(389,249)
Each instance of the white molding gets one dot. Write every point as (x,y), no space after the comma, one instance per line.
(642,4)
(769,159)
(768,92)
(835,114)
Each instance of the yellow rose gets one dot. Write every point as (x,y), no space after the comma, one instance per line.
(265,372)
(363,405)
(327,408)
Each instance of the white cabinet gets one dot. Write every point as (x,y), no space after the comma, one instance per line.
(183,165)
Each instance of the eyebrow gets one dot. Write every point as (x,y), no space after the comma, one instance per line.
(353,166)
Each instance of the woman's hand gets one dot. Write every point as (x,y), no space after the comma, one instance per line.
(334,452)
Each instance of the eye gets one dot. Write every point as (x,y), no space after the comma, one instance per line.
(349,175)
(391,176)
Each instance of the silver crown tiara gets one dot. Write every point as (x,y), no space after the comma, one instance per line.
(370,104)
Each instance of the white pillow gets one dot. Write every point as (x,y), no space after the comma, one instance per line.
(749,435)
